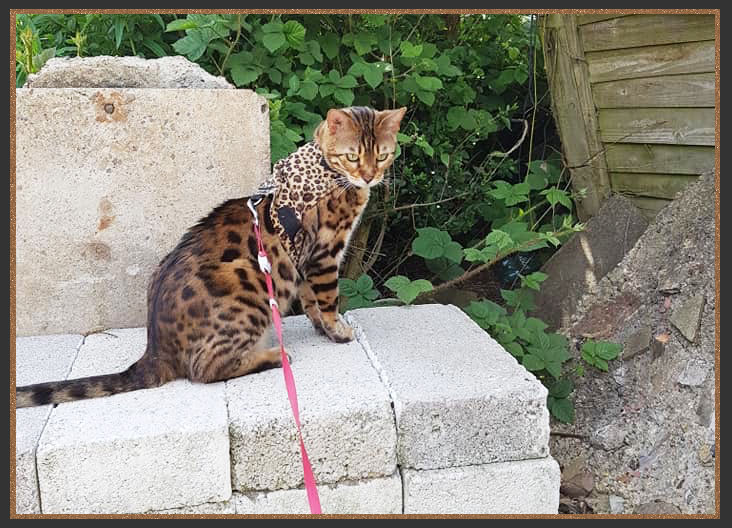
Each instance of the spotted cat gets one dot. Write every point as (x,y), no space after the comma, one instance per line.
(208,310)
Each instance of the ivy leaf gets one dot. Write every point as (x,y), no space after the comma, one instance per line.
(561,388)
(515,349)
(308,90)
(347,81)
(397,282)
(554,368)
(430,84)
(427,98)
(533,280)
(433,243)
(500,239)
(607,350)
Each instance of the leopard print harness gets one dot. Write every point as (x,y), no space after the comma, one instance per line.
(297,184)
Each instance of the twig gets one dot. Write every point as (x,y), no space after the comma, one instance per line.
(568,435)
(517,145)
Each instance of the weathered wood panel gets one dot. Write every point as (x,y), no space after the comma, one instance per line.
(591,19)
(652,61)
(678,126)
(574,110)
(659,159)
(649,185)
(649,207)
(646,30)
(694,90)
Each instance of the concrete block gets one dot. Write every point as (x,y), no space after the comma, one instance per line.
(108,180)
(139,451)
(347,420)
(586,258)
(37,359)
(526,486)
(207,508)
(459,397)
(378,495)
(123,72)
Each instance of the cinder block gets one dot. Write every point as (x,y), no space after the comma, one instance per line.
(144,450)
(37,359)
(459,397)
(347,420)
(526,486)
(207,508)
(108,180)
(379,495)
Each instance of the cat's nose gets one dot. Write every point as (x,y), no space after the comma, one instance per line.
(367,177)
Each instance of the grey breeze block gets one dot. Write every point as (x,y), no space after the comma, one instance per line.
(467,432)
(37,359)
(347,421)
(108,180)
(150,449)
(459,397)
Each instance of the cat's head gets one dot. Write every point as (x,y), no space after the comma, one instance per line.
(359,142)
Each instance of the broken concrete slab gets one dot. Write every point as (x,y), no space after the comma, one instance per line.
(453,387)
(586,258)
(371,496)
(145,450)
(638,342)
(526,486)
(124,72)
(687,316)
(37,359)
(347,420)
(151,163)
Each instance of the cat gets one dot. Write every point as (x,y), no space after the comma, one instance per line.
(208,307)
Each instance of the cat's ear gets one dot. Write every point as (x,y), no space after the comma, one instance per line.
(336,119)
(389,120)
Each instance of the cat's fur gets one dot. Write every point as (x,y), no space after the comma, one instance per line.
(208,310)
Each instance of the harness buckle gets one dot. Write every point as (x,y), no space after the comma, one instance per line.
(252,206)
(264,264)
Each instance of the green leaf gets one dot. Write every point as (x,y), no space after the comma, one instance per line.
(554,368)
(427,98)
(607,350)
(532,362)
(562,409)
(561,388)
(500,239)
(364,283)
(555,196)
(119,29)
(330,43)
(430,84)
(433,243)
(373,74)
(347,287)
(273,41)
(515,349)
(363,42)
(294,33)
(409,50)
(343,96)
(154,47)
(308,90)
(536,180)
(181,24)
(242,75)
(347,81)
(396,282)
(192,45)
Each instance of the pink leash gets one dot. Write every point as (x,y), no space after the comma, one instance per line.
(266,267)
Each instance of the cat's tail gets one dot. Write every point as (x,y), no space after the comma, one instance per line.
(134,378)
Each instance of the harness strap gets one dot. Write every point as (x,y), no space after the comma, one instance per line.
(266,267)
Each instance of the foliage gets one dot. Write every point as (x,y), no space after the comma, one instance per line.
(456,203)
(598,353)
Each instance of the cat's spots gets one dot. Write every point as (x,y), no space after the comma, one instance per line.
(230,255)
(285,272)
(233,237)
(187,293)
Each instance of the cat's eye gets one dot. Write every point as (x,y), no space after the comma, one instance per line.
(352,157)
(382,157)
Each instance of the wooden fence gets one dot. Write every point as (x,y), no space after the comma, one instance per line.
(633,97)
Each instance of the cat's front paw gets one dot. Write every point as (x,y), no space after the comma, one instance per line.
(340,332)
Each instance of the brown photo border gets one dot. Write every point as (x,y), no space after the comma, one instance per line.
(13,12)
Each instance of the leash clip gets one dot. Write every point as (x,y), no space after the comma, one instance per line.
(264,264)
(251,206)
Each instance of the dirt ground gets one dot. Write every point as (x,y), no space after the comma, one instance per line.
(643,440)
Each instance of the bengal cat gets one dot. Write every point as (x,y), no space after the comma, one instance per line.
(208,309)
